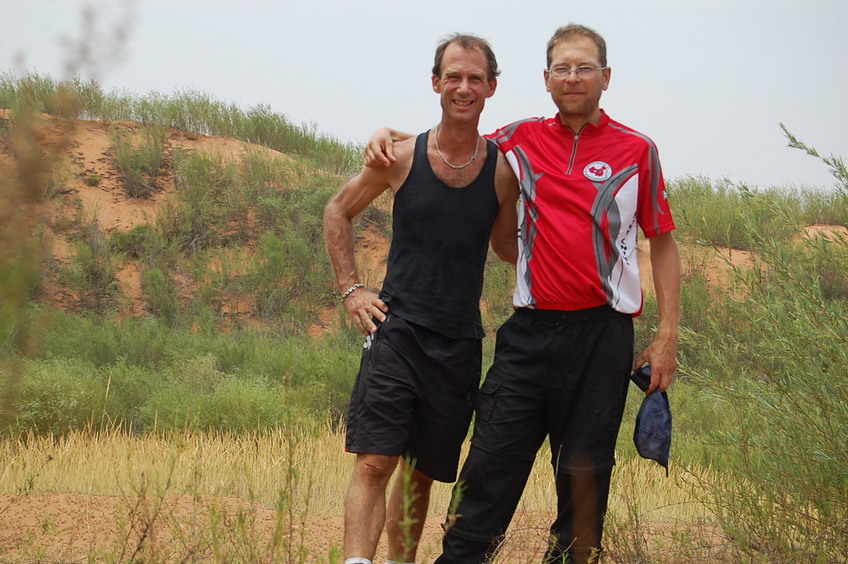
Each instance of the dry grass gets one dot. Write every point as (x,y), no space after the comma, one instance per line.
(290,478)
(253,466)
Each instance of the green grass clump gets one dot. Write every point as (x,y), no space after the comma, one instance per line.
(140,161)
(186,110)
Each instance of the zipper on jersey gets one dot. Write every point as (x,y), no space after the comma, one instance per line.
(574,148)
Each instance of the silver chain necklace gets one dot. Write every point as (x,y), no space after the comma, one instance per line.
(453,166)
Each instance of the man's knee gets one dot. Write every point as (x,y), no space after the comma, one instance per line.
(374,468)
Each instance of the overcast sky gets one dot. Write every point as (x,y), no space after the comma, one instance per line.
(708,80)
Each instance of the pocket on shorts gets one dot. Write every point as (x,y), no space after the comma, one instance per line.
(486,399)
(369,346)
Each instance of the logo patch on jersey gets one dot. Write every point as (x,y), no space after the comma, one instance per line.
(598,171)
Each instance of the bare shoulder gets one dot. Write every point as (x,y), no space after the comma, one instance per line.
(399,170)
(502,166)
(501,160)
(506,183)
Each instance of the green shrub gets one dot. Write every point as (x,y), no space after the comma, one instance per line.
(270,283)
(140,242)
(197,219)
(140,161)
(782,379)
(161,295)
(774,363)
(58,396)
(143,355)
(142,342)
(91,270)
(263,174)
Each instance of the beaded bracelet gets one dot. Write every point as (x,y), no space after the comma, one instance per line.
(351,290)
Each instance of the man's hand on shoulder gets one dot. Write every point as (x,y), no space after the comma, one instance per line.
(380,149)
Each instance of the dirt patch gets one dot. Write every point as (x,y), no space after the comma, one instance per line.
(73,528)
(829,232)
(129,279)
(67,527)
(93,177)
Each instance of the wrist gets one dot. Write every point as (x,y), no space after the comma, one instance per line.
(350,290)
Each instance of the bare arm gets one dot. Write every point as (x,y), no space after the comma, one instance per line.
(353,197)
(379,152)
(504,238)
(662,352)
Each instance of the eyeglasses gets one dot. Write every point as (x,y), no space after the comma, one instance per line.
(561,73)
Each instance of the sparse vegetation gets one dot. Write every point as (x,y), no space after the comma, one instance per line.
(91,270)
(186,110)
(211,389)
(140,160)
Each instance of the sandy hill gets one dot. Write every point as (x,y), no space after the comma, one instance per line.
(88,183)
(87,147)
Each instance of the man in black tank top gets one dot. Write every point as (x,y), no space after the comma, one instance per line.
(453,194)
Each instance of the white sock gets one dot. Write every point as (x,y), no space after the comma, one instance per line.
(357,560)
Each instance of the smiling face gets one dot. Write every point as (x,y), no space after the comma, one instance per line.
(464,83)
(578,99)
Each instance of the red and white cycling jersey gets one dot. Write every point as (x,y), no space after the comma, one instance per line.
(583,196)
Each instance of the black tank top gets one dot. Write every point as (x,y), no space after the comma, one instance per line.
(440,238)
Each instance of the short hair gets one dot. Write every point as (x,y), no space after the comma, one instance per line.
(572,31)
(467,41)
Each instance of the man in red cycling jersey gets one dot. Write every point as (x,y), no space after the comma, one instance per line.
(562,361)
